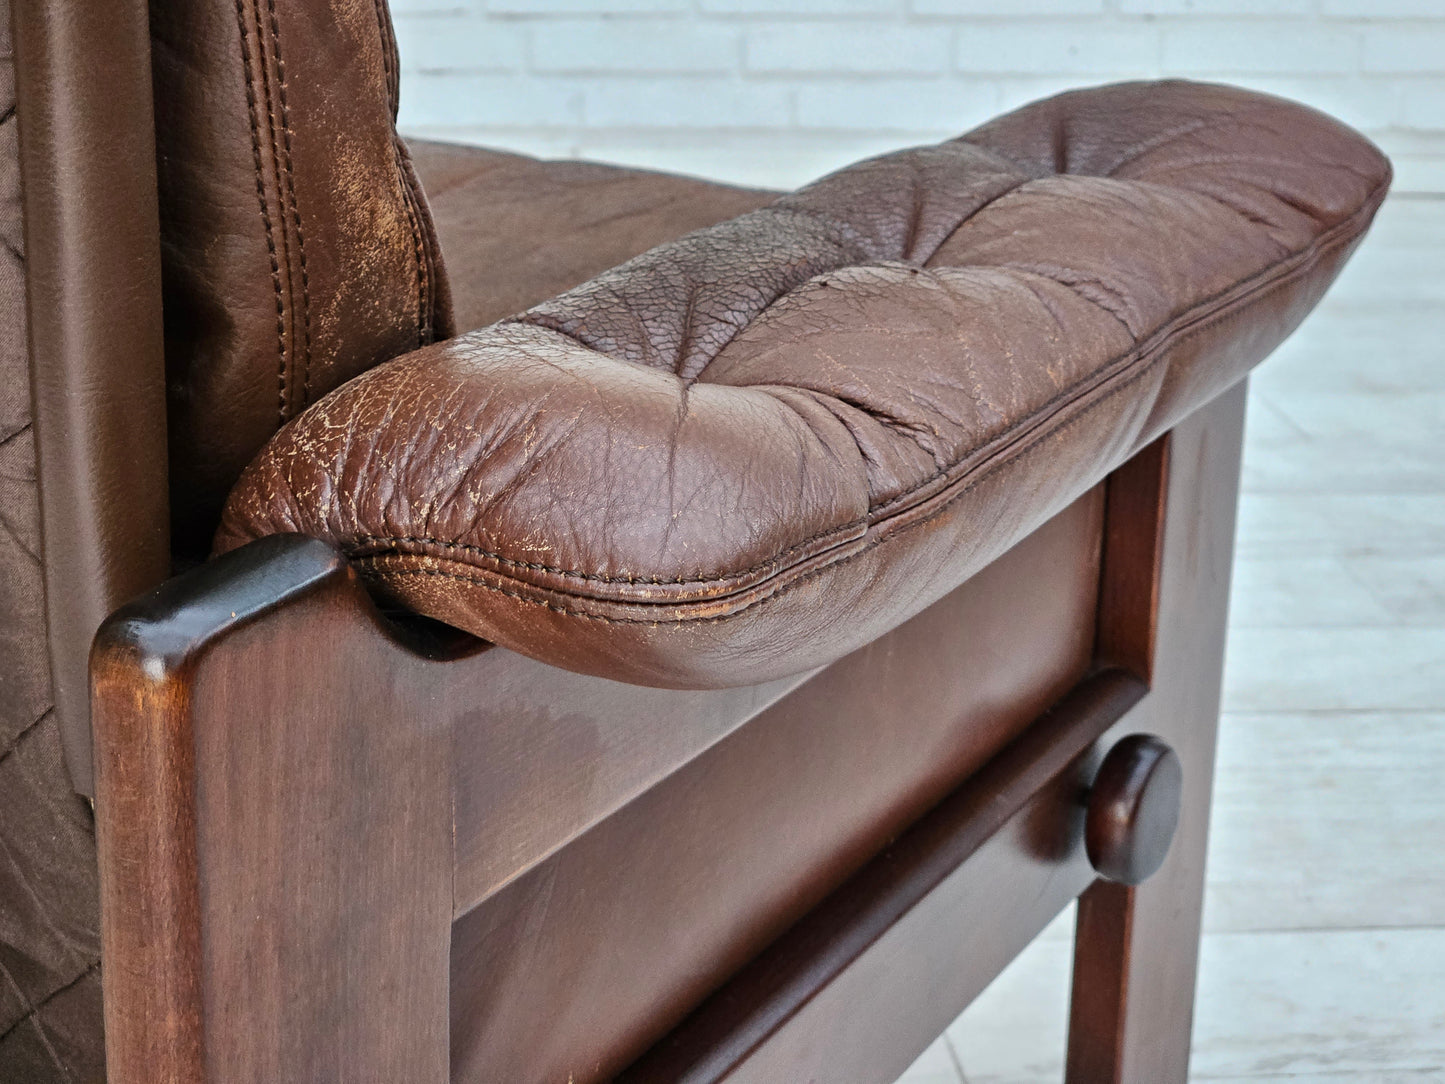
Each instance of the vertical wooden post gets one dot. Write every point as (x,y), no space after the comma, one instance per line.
(1136,949)
(274,814)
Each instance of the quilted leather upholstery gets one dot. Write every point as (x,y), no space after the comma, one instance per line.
(753,449)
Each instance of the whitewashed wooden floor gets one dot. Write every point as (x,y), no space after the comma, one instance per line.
(1323,959)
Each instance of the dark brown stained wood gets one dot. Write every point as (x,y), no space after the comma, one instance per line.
(1134,499)
(275,836)
(537,755)
(251,675)
(1136,949)
(819,1006)
(292,792)
(870,977)
(1133,809)
(542,754)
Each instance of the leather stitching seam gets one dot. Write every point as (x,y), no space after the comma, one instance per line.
(265,209)
(425,261)
(413,217)
(264,55)
(289,177)
(511,562)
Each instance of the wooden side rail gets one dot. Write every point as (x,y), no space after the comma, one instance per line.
(858,988)
(281,793)
(1136,948)
(940,912)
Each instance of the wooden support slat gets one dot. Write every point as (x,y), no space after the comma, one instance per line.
(872,975)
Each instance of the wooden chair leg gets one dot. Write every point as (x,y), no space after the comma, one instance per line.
(275,828)
(1136,949)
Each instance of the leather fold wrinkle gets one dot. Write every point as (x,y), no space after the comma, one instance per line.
(750,450)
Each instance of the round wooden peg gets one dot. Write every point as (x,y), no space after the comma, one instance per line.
(1133,809)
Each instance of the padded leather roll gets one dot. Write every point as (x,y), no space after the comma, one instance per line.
(749,451)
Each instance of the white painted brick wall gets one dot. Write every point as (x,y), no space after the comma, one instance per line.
(775,91)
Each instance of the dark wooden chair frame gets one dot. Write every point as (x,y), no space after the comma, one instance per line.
(293,812)
(284,851)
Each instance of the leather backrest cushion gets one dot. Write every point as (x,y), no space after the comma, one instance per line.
(297,246)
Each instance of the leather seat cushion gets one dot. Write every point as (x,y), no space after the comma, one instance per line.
(515,230)
(751,450)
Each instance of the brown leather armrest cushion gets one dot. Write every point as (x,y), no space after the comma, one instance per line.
(752,450)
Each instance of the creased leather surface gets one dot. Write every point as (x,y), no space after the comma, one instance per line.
(297,247)
(515,230)
(753,449)
(50,1013)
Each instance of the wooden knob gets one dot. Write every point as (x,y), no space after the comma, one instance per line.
(1133,809)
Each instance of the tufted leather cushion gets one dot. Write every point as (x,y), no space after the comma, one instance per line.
(753,449)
